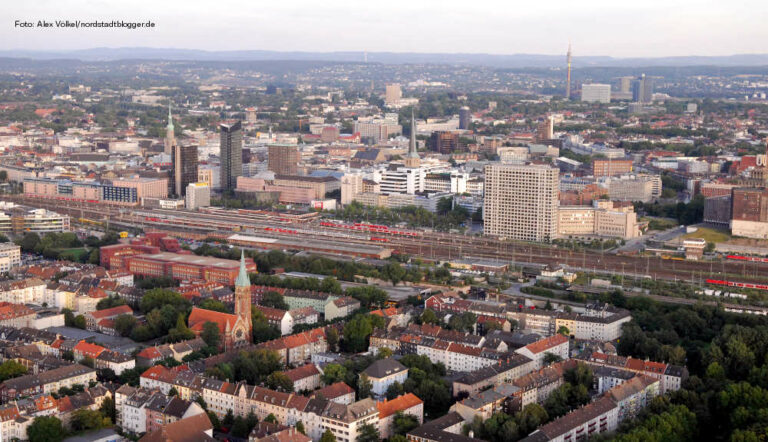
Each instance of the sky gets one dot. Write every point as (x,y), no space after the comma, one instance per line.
(618,28)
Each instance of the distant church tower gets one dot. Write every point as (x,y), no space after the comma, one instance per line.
(243,298)
(412,160)
(170,137)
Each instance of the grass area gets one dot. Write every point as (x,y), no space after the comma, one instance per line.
(710,235)
(75,253)
(655,223)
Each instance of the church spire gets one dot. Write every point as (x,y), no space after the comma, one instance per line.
(169,127)
(412,145)
(412,159)
(242,277)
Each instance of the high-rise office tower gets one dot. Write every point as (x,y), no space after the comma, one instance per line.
(283,160)
(184,160)
(464,116)
(231,153)
(642,89)
(392,93)
(596,93)
(521,201)
(625,85)
(568,76)
(170,137)
(412,160)
(545,130)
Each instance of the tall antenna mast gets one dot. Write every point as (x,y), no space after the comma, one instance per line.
(568,78)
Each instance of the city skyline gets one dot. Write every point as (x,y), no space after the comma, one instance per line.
(656,29)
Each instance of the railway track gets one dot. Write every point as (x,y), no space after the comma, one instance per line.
(434,246)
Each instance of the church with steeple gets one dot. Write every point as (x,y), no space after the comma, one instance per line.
(170,135)
(236,330)
(412,159)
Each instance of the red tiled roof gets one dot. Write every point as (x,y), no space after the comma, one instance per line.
(547,343)
(302,372)
(88,349)
(400,403)
(335,390)
(111,312)
(200,316)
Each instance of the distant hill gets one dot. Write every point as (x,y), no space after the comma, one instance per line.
(498,61)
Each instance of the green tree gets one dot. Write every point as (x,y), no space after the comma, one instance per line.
(212,304)
(279,381)
(364,387)
(107,408)
(11,369)
(326,437)
(262,330)
(563,330)
(274,300)
(29,242)
(271,418)
(180,332)
(384,353)
(85,419)
(46,429)
(211,335)
(551,358)
(367,433)
(428,317)
(394,390)
(300,427)
(254,366)
(158,297)
(333,373)
(332,337)
(403,423)
(80,322)
(109,302)
(358,330)
(124,324)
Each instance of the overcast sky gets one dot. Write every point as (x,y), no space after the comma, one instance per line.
(620,28)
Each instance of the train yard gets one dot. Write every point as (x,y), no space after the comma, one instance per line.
(345,237)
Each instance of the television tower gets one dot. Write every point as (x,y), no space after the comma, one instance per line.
(568,78)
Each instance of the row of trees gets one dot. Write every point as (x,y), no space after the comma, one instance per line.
(448,218)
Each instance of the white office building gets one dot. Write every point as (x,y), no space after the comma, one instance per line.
(596,93)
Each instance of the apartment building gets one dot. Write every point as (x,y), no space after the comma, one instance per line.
(408,404)
(521,201)
(599,322)
(16,315)
(280,319)
(341,307)
(385,372)
(634,395)
(305,377)
(504,371)
(670,376)
(10,256)
(306,298)
(344,421)
(643,188)
(610,167)
(47,382)
(600,219)
(601,416)
(557,345)
(23,291)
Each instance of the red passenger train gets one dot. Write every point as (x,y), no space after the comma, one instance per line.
(744,285)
